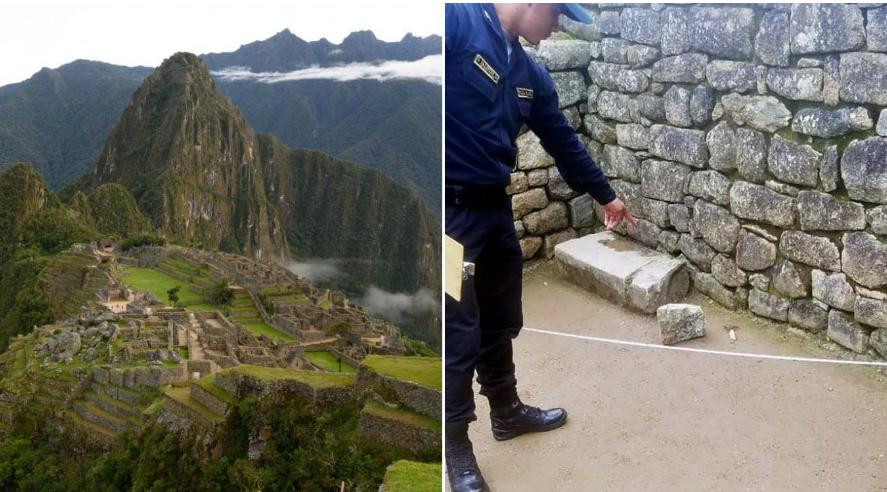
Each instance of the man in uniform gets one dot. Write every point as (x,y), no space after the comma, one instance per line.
(492,89)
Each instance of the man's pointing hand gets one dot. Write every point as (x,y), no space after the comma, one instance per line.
(614,212)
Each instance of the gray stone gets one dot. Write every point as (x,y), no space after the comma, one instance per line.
(675,35)
(651,107)
(872,312)
(633,136)
(865,259)
(808,315)
(613,50)
(564,54)
(760,282)
(537,177)
(608,22)
(825,123)
(530,246)
(809,63)
(663,180)
(721,143)
(617,78)
(731,76)
(598,129)
(878,342)
(864,169)
(751,150)
(591,96)
(679,144)
(638,55)
(846,332)
(833,290)
(558,189)
(552,240)
(828,169)
(630,194)
(782,188)
(697,251)
(670,241)
(524,203)
(882,123)
(718,226)
(677,106)
(640,26)
(581,30)
(645,232)
(615,106)
(792,163)
(702,102)
(825,28)
(656,211)
(864,78)
(726,272)
(519,229)
(570,87)
(877,218)
(530,153)
(760,231)
(679,217)
(767,305)
(764,113)
(755,202)
(710,185)
(708,285)
(823,212)
(790,280)
(572,115)
(619,162)
(518,183)
(581,211)
(680,322)
(549,219)
(876,29)
(772,42)
(623,271)
(810,250)
(688,68)
(803,84)
(722,31)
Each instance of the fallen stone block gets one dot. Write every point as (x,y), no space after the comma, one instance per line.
(623,271)
(680,322)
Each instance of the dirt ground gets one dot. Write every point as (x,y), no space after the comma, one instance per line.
(646,419)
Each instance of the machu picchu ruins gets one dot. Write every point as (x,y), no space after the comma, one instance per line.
(133,356)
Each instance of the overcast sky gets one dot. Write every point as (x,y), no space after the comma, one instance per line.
(49,33)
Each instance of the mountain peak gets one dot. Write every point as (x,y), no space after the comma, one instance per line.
(365,36)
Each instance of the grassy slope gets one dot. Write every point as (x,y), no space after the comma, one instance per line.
(421,370)
(314,378)
(327,361)
(411,476)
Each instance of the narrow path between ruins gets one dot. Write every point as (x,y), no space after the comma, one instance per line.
(646,419)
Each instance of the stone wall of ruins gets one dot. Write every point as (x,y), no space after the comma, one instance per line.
(748,139)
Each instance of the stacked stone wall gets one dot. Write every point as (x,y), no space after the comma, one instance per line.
(749,140)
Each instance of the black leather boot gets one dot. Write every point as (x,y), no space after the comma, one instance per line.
(462,470)
(512,418)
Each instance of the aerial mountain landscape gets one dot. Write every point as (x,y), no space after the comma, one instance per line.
(151,334)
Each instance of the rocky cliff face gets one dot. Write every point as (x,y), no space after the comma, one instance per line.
(204,177)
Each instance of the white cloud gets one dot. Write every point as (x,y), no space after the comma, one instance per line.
(427,69)
(395,306)
(316,269)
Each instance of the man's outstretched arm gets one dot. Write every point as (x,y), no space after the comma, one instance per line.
(578,169)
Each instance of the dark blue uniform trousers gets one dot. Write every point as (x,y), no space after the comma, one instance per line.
(480,328)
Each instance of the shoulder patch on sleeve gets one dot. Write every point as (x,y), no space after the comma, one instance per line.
(486,68)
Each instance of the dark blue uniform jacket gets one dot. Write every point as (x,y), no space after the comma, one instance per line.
(488,98)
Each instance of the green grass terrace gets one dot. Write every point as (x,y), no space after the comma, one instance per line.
(317,379)
(426,371)
(329,362)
